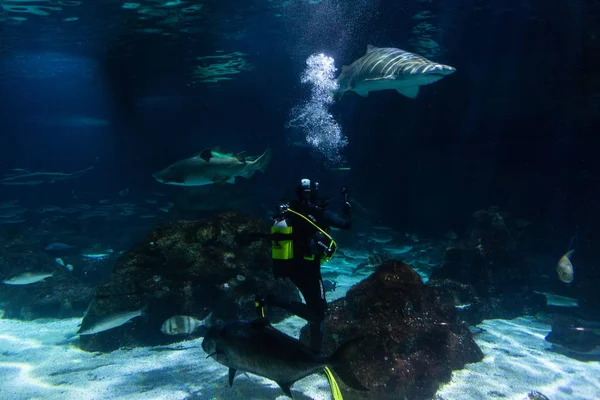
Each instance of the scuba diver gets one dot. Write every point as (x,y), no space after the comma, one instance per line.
(300,243)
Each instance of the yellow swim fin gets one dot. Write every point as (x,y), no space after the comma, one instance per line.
(335,389)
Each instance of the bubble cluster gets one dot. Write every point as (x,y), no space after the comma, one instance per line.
(313,117)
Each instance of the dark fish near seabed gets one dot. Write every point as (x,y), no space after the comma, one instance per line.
(258,348)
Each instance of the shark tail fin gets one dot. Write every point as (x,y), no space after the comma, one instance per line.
(339,363)
(261,162)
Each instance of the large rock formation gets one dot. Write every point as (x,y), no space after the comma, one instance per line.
(411,345)
(485,274)
(186,268)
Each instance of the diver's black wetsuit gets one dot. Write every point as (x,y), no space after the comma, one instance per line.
(306,273)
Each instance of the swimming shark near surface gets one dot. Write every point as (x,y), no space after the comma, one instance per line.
(24,177)
(210,167)
(390,68)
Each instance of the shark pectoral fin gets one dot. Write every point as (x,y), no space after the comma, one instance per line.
(232,372)
(241,156)
(411,92)
(206,154)
(230,180)
(286,388)
(361,92)
(222,179)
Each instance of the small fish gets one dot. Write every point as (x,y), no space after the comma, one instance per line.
(329,285)
(55,247)
(379,237)
(166,208)
(69,267)
(59,261)
(183,324)
(110,322)
(463,306)
(339,169)
(398,250)
(12,221)
(27,278)
(375,260)
(95,256)
(564,268)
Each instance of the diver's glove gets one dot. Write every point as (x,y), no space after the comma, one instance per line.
(347,207)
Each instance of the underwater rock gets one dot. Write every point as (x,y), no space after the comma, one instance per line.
(186,268)
(535,395)
(487,258)
(473,309)
(412,343)
(489,262)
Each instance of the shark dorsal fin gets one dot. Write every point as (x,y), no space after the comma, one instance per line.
(371,48)
(206,154)
(241,156)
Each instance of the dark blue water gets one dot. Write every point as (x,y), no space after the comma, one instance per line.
(513,127)
(129,88)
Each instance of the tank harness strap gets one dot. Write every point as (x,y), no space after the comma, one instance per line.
(332,242)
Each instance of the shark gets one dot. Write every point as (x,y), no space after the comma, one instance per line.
(24,177)
(383,68)
(211,167)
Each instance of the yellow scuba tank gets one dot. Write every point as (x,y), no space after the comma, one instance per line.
(282,249)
